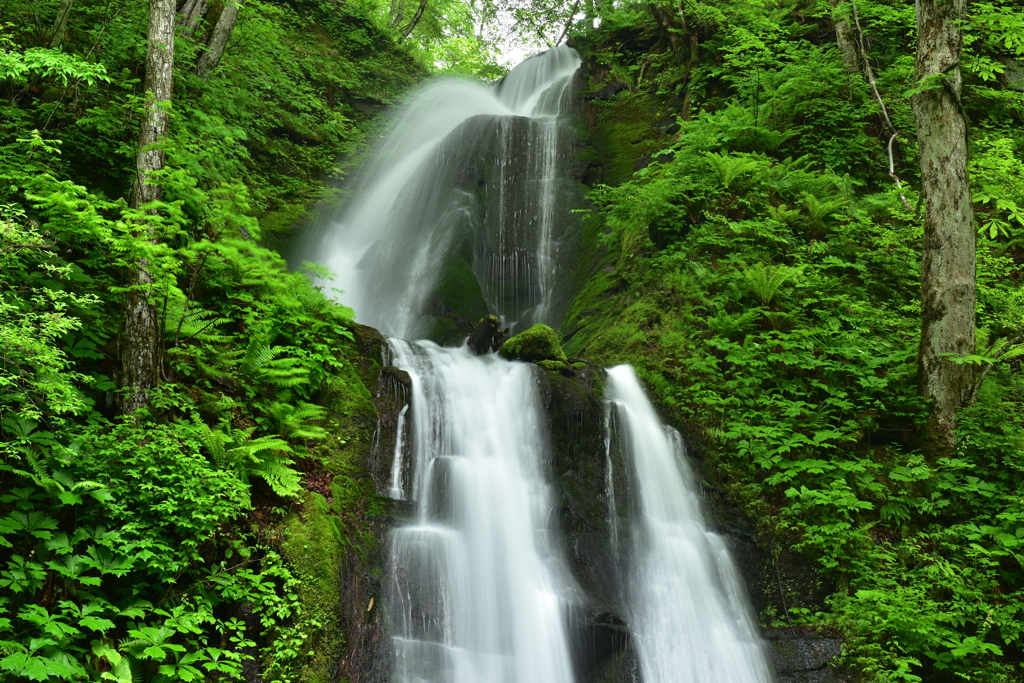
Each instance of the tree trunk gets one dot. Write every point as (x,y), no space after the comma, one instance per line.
(407,31)
(948,258)
(192,12)
(664,19)
(844,37)
(140,341)
(60,26)
(209,59)
(691,67)
(397,13)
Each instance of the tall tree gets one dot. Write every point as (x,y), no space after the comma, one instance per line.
(210,58)
(844,36)
(948,259)
(60,26)
(140,336)
(190,15)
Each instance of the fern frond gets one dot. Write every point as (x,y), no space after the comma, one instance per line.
(257,354)
(729,167)
(295,421)
(122,672)
(191,321)
(214,441)
(136,668)
(820,209)
(765,281)
(41,472)
(283,480)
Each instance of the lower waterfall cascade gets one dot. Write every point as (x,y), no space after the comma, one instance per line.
(687,608)
(475,592)
(478,588)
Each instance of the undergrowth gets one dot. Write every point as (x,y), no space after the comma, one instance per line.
(764,280)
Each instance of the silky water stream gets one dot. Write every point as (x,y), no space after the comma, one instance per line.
(477,589)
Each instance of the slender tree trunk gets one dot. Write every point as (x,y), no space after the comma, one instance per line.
(407,31)
(948,260)
(60,26)
(140,341)
(568,25)
(664,19)
(397,13)
(191,13)
(209,59)
(691,66)
(844,37)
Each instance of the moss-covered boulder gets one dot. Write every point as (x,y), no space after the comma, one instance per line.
(457,301)
(538,343)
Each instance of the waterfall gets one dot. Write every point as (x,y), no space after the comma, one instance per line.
(688,611)
(475,591)
(466,194)
(460,195)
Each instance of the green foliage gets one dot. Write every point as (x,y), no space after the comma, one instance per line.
(763,279)
(131,546)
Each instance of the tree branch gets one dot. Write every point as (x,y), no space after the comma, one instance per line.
(407,31)
(568,23)
(870,73)
(988,368)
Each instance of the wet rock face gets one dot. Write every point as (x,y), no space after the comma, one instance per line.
(490,200)
(367,656)
(595,501)
(487,336)
(802,657)
(592,486)
(367,653)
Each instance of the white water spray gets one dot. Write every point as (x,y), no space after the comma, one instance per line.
(688,611)
(429,197)
(476,590)
(475,594)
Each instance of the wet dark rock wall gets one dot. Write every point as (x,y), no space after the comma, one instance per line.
(596,505)
(481,202)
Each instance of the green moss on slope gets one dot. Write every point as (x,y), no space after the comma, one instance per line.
(314,547)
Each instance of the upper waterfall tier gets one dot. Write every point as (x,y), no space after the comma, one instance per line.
(463,208)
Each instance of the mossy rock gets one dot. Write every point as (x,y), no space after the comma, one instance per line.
(457,302)
(539,343)
(625,133)
(555,365)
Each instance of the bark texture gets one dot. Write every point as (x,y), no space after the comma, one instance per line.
(948,259)
(140,339)
(191,14)
(844,36)
(407,31)
(209,59)
(60,26)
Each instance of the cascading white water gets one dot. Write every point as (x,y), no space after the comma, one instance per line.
(688,612)
(475,594)
(430,195)
(476,590)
